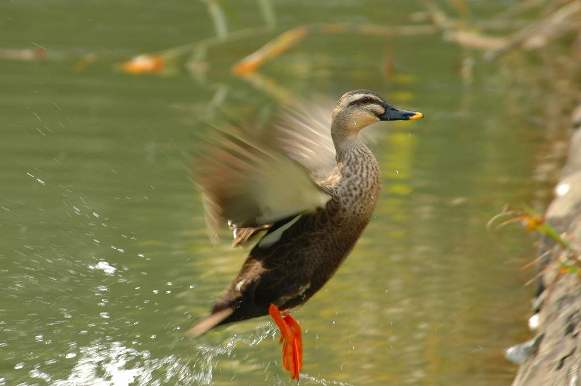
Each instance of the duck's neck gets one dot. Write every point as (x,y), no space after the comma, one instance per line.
(348,145)
(343,139)
(353,154)
(354,158)
(348,148)
(346,136)
(356,163)
(358,185)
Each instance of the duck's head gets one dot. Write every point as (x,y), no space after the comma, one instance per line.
(358,109)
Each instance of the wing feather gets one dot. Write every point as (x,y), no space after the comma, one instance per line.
(251,184)
(303,132)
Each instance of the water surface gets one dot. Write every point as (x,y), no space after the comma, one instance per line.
(105,259)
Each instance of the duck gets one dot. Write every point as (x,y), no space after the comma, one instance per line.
(300,195)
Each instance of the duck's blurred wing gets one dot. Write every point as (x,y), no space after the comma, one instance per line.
(251,185)
(303,133)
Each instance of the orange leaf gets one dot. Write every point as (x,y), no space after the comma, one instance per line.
(531,223)
(144,64)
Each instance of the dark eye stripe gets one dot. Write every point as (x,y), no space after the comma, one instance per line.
(364,101)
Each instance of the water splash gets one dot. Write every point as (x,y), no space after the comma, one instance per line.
(104,266)
(39,180)
(208,355)
(115,364)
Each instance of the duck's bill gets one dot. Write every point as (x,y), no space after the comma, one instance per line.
(393,114)
(417,115)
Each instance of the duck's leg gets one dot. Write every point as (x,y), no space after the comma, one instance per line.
(291,339)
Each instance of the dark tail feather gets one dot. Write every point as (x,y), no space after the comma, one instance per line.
(210,322)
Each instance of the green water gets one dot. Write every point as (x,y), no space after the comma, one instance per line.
(104,258)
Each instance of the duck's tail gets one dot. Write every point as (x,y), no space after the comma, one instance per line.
(206,324)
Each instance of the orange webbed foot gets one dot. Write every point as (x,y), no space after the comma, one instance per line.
(291,339)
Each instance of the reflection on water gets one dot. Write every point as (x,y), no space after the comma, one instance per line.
(105,259)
